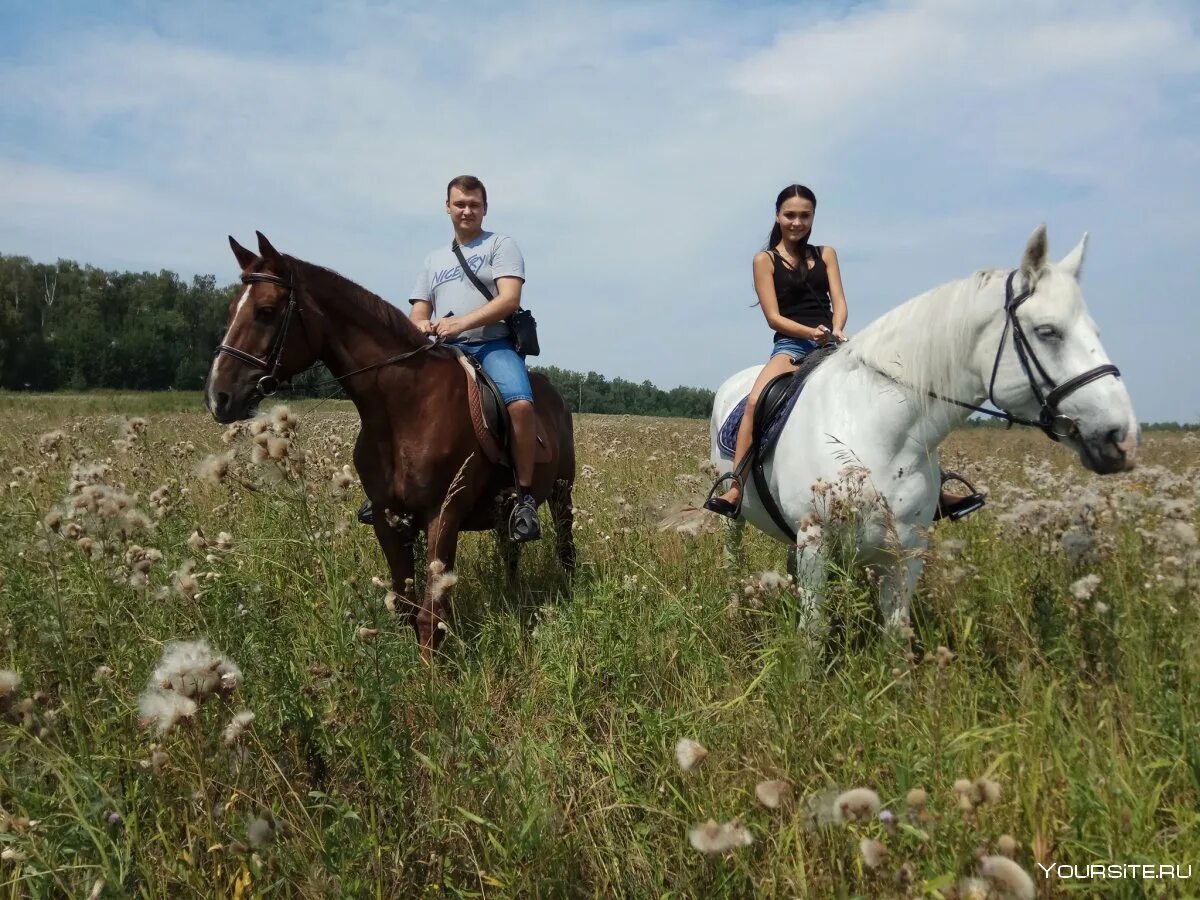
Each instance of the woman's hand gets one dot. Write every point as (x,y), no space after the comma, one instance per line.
(447,327)
(821,335)
(839,335)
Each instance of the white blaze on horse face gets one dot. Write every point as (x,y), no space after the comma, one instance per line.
(215,372)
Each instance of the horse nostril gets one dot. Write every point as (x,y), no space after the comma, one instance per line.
(222,400)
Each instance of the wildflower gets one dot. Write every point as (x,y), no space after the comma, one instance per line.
(1007,845)
(945,656)
(442,581)
(9,682)
(342,479)
(366,634)
(185,581)
(1084,588)
(855,805)
(968,794)
(916,799)
(1007,879)
(12,855)
(283,419)
(50,442)
(197,541)
(102,673)
(773,794)
(237,727)
(53,520)
(389,601)
(277,447)
(224,541)
(989,791)
(215,468)
(194,669)
(689,753)
(973,889)
(711,837)
(165,709)
(873,853)
(260,831)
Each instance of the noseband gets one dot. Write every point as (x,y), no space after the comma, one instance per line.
(269,383)
(1050,419)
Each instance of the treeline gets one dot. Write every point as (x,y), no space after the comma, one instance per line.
(67,326)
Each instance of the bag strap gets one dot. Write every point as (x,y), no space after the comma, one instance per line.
(467,270)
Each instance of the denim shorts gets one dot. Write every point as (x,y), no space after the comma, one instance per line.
(503,366)
(796,348)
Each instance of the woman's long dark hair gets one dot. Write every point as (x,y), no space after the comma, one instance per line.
(792,190)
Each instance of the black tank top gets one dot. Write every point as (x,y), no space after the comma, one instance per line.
(803,293)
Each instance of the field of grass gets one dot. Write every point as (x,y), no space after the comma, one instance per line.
(1053,663)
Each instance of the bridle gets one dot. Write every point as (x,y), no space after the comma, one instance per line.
(1050,419)
(269,383)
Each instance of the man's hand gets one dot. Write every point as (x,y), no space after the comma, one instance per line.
(447,328)
(426,327)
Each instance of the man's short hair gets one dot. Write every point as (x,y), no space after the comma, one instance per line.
(467,184)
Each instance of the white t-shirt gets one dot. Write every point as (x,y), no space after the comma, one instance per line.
(442,283)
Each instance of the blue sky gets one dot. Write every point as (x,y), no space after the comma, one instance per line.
(634,150)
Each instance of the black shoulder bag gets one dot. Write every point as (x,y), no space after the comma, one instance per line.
(521,324)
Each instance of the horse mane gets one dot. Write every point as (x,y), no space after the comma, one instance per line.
(927,342)
(356,298)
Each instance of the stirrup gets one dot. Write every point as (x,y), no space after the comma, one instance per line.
(721,506)
(960,507)
(523,525)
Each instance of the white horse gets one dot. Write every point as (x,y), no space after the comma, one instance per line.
(882,404)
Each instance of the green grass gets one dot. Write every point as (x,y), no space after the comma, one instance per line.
(535,757)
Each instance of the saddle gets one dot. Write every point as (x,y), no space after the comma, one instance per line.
(489,415)
(775,405)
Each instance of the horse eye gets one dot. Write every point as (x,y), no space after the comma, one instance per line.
(1048,333)
(264,313)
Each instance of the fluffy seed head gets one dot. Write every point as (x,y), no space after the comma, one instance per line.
(237,727)
(873,853)
(774,793)
(689,753)
(856,805)
(164,709)
(711,837)
(1007,879)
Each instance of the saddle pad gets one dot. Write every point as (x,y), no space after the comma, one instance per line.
(727,436)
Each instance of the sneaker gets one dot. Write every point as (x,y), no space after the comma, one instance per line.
(366,514)
(523,522)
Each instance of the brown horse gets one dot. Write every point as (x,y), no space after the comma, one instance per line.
(418,455)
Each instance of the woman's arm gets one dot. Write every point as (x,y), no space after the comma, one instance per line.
(764,286)
(837,296)
(505,303)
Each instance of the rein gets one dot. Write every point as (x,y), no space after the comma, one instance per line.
(1050,420)
(269,383)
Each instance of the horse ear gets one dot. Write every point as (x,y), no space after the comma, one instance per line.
(1073,261)
(1036,252)
(245,257)
(265,250)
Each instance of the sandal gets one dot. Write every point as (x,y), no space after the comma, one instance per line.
(959,507)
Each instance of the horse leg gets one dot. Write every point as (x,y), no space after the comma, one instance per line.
(442,536)
(507,549)
(732,555)
(397,546)
(564,523)
(897,582)
(810,574)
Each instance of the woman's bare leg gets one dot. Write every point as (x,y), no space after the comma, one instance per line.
(776,365)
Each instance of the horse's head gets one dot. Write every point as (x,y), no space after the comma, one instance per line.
(1051,367)
(267,339)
